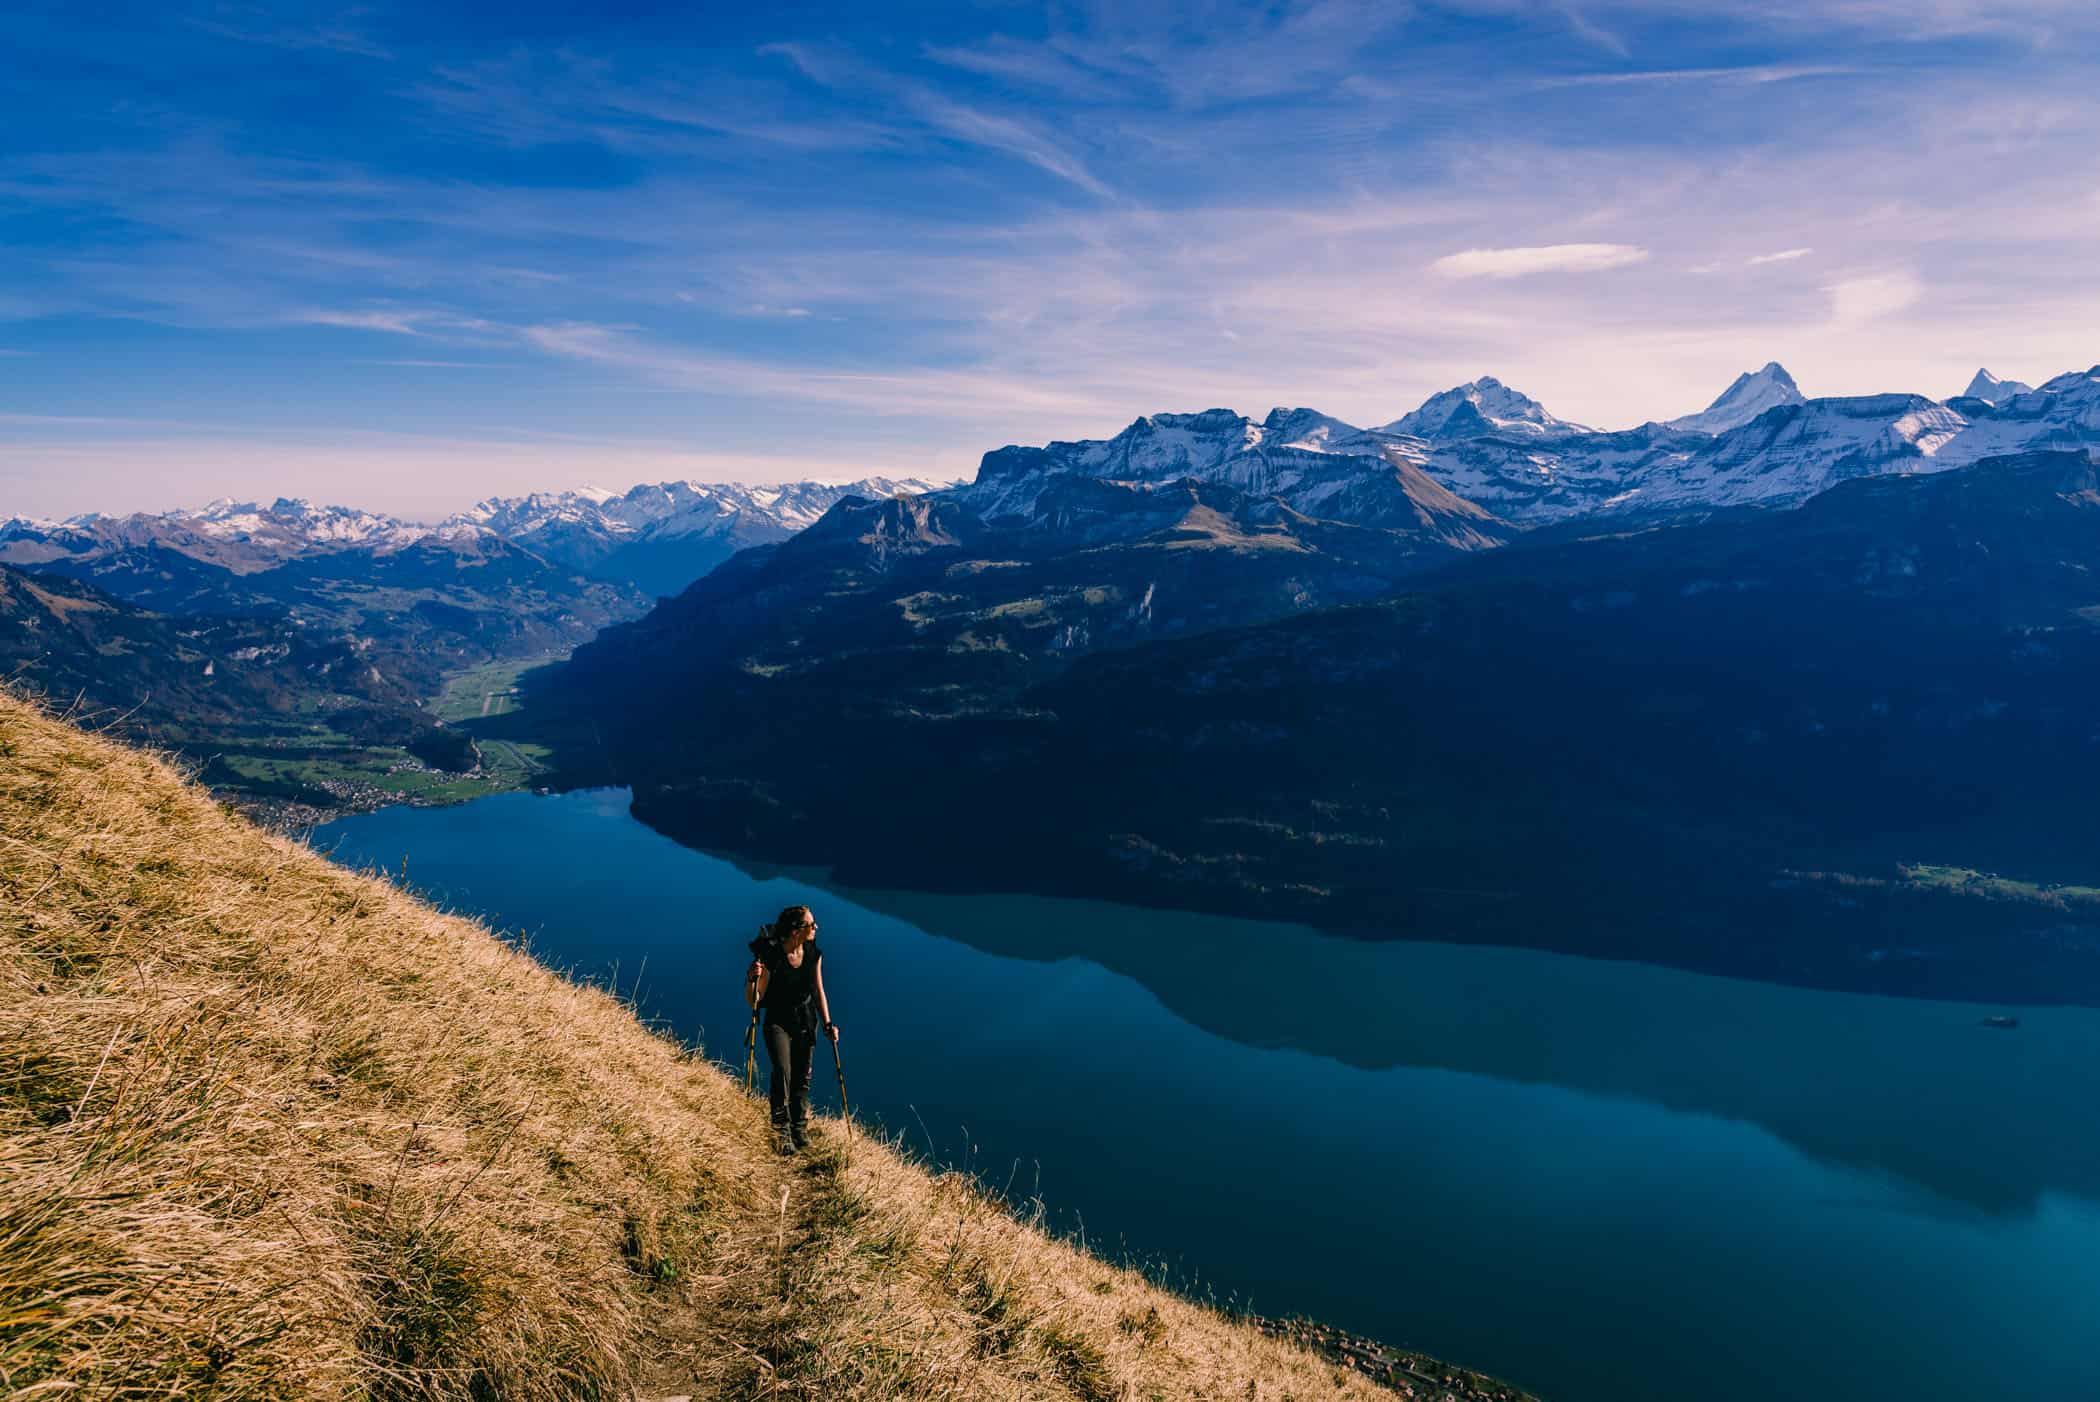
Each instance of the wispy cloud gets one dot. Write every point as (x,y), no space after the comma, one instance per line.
(941,114)
(916,390)
(1859,300)
(396,322)
(439,364)
(1755,260)
(336,37)
(528,99)
(1548,258)
(1010,135)
(2032,21)
(1051,67)
(1749,73)
(814,62)
(1586,28)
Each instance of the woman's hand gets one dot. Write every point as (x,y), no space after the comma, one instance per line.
(758,967)
(831,1030)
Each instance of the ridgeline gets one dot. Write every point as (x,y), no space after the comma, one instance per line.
(270,1128)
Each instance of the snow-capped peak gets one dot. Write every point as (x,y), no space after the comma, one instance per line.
(1484,408)
(575,525)
(1311,431)
(290,525)
(1991,389)
(1751,394)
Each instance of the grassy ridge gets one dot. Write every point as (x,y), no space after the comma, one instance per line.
(270,1128)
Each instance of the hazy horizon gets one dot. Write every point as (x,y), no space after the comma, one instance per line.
(712,473)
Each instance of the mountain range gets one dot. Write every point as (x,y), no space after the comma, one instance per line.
(299,650)
(662,536)
(1761,443)
(656,537)
(1780,744)
(1181,524)
(1736,698)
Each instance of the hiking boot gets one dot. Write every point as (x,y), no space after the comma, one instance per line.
(799,1133)
(786,1140)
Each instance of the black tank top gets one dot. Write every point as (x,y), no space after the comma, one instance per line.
(791,990)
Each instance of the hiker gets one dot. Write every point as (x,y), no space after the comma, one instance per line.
(786,979)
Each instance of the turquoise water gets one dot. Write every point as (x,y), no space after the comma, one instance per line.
(1607,1182)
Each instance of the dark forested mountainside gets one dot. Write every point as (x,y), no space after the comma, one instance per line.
(420,608)
(69,640)
(1786,746)
(917,607)
(269,708)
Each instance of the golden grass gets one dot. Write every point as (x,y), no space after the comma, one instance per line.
(270,1128)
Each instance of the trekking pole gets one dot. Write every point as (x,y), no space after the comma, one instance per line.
(845,1110)
(751,1038)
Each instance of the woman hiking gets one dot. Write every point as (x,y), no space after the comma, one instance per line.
(786,979)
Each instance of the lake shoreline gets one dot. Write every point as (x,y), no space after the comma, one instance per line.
(1910,970)
(1497,1155)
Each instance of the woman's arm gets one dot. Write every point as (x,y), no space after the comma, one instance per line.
(824,1006)
(755,982)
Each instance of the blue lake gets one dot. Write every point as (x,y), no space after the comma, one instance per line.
(1606,1182)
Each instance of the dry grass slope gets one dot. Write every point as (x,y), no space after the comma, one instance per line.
(269,1128)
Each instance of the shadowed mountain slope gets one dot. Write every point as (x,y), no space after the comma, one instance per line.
(1767,746)
(418,602)
(71,641)
(920,605)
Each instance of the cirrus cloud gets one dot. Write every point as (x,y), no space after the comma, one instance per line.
(1858,300)
(1547,258)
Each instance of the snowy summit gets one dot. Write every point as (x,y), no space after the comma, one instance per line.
(1752,393)
(1992,390)
(1483,408)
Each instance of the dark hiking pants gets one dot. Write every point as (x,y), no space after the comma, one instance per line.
(790,1052)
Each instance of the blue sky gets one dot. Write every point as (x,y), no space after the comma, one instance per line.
(404,256)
